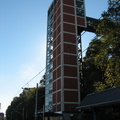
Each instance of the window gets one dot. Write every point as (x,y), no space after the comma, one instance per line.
(79,4)
(80,8)
(47,89)
(80,12)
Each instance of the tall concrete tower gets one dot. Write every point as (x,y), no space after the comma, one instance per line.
(66,20)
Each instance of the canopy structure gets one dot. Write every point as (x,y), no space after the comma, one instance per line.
(52,114)
(49,114)
(106,97)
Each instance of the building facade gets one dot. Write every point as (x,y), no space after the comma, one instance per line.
(66,20)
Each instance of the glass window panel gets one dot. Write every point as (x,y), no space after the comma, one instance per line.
(80,12)
(51,56)
(46,91)
(79,4)
(51,47)
(51,38)
(46,101)
(51,66)
(50,86)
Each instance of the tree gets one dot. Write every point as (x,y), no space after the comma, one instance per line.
(101,66)
(42,81)
(91,73)
(25,104)
(113,11)
(108,58)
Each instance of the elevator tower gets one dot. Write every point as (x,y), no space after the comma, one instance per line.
(66,21)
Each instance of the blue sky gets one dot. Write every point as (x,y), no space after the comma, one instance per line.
(23,26)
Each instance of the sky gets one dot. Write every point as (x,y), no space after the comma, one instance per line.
(23,30)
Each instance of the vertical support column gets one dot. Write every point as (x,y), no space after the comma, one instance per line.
(80,58)
(77,42)
(62,59)
(23,113)
(43,112)
(94,115)
(36,102)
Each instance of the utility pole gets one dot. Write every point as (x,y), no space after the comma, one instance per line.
(43,112)
(23,114)
(36,102)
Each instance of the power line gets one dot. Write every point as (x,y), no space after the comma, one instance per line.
(34,77)
(25,85)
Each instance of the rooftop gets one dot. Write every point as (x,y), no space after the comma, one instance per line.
(109,96)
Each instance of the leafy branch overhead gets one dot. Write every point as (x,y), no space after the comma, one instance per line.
(101,66)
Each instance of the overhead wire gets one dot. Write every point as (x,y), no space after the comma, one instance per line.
(24,86)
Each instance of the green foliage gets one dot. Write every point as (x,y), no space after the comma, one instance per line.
(91,73)
(42,81)
(101,66)
(25,103)
(113,11)
(99,86)
(108,58)
(31,94)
